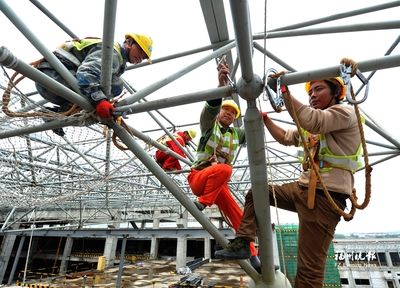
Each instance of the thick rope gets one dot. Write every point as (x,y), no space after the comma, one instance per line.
(13,81)
(347,216)
(120,121)
(368,168)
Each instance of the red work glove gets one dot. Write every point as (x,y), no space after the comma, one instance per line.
(264,115)
(104,109)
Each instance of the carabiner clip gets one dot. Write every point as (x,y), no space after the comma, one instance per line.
(366,84)
(222,60)
(273,90)
(345,72)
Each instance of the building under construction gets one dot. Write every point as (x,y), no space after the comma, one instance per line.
(91,207)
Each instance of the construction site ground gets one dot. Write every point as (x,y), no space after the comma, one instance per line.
(151,273)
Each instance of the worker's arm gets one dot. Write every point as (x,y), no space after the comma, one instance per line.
(276,131)
(293,103)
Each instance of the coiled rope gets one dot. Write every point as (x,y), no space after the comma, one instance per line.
(368,169)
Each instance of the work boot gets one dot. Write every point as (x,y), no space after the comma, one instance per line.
(237,249)
(199,205)
(58,109)
(59,132)
(256,263)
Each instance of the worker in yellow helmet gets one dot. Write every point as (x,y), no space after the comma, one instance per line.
(212,169)
(82,57)
(335,144)
(169,162)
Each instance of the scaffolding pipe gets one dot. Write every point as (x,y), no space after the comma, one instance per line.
(383,133)
(341,15)
(250,87)
(155,86)
(395,24)
(55,124)
(142,155)
(155,119)
(8,60)
(210,94)
(148,140)
(8,218)
(54,19)
(50,57)
(107,50)
(334,71)
(181,54)
(241,15)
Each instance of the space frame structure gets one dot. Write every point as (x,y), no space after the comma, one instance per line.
(84,179)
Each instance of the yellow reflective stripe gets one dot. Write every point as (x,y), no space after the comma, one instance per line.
(345,163)
(83,43)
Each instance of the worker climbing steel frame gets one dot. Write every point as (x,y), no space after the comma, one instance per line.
(249,87)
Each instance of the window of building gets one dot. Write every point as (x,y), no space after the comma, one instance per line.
(390,284)
(395,258)
(344,281)
(362,281)
(382,259)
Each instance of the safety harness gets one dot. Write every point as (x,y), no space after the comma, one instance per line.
(67,47)
(324,160)
(348,162)
(216,147)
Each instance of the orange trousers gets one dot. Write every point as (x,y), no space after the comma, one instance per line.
(210,185)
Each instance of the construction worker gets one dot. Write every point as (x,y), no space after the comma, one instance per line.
(216,150)
(338,148)
(169,162)
(83,59)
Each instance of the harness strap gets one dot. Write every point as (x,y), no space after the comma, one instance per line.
(312,184)
(69,56)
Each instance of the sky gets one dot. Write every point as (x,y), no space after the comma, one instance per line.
(178,25)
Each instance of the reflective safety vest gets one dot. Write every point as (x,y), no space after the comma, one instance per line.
(218,147)
(79,45)
(327,159)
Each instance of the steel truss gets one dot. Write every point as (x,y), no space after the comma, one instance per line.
(83,179)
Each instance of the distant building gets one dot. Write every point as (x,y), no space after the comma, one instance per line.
(287,238)
(368,260)
(358,260)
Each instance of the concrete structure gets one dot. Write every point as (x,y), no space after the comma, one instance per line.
(369,261)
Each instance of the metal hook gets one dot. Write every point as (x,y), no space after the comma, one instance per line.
(366,84)
(274,95)
(345,72)
(231,83)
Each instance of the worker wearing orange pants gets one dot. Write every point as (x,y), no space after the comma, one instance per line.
(219,143)
(210,185)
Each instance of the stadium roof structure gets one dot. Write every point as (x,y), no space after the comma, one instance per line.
(100,172)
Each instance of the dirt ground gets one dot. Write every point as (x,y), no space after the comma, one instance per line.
(155,274)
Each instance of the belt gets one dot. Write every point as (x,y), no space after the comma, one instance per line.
(340,197)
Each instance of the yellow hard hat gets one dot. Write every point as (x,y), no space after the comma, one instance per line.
(232,104)
(192,133)
(338,81)
(145,42)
